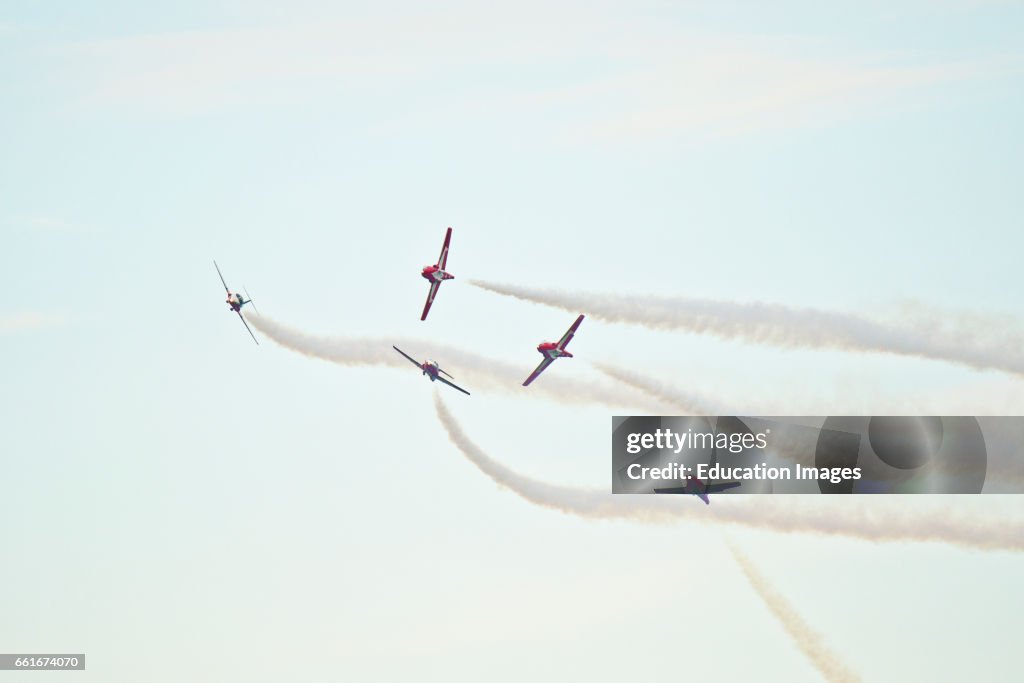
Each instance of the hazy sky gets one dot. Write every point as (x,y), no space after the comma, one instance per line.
(179,503)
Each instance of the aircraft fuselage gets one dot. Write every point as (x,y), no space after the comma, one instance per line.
(430,369)
(236,301)
(435,274)
(698,488)
(551,350)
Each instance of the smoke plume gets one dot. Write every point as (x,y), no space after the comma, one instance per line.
(926,336)
(684,402)
(473,371)
(809,641)
(872,520)
(1004,471)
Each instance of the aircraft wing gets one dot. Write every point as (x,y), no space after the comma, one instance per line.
(718,488)
(442,379)
(443,258)
(430,298)
(548,360)
(411,359)
(221,278)
(674,489)
(567,337)
(710,488)
(242,318)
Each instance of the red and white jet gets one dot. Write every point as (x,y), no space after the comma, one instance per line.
(236,301)
(552,351)
(436,273)
(431,369)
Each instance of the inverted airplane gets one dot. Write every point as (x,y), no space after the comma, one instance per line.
(700,489)
(236,301)
(431,369)
(436,273)
(552,351)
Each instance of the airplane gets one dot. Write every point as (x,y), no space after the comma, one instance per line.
(236,301)
(700,489)
(436,274)
(431,369)
(552,351)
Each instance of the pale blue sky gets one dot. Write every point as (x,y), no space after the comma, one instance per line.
(173,491)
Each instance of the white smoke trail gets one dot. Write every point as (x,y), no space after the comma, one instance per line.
(473,371)
(777,325)
(690,403)
(1004,470)
(872,520)
(809,641)
(685,402)
(784,444)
